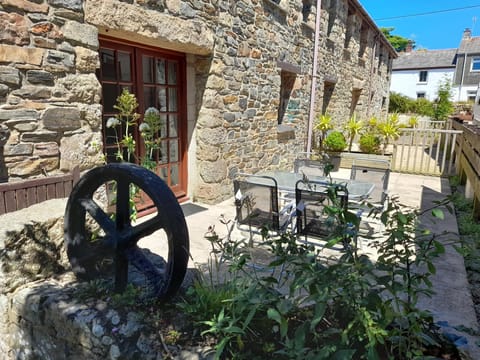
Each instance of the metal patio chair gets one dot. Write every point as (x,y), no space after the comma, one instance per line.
(321,207)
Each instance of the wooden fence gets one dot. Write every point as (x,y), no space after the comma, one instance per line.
(18,195)
(428,150)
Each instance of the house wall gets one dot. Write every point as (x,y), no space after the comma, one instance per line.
(405,82)
(50,98)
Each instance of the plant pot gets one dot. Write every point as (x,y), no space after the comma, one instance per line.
(335,159)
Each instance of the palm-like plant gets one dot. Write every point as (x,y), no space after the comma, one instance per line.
(323,124)
(353,128)
(389,130)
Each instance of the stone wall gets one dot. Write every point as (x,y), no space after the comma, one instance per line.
(45,313)
(238,50)
(49,95)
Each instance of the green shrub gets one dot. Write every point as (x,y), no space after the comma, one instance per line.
(400,103)
(423,107)
(335,141)
(370,143)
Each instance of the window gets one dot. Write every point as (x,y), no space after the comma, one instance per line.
(422,76)
(476,64)
(286,87)
(306,9)
(420,95)
(471,95)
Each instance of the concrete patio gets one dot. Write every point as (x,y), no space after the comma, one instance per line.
(452,303)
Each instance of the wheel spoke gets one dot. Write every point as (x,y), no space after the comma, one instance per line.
(144,229)
(123,204)
(99,216)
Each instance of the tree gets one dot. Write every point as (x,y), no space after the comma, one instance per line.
(398,42)
(443,105)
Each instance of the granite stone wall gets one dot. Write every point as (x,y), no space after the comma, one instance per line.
(50,99)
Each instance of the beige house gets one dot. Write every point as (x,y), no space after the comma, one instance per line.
(238,83)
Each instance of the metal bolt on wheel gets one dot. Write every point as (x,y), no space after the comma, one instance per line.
(101,243)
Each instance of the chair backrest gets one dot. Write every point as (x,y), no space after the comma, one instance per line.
(373,171)
(256,202)
(309,167)
(317,208)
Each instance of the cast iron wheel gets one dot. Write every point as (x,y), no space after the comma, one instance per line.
(116,248)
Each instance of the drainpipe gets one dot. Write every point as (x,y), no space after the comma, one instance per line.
(463,76)
(311,113)
(372,67)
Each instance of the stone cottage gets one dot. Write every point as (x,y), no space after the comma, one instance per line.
(238,83)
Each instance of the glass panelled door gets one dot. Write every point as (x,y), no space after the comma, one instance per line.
(157,78)
(161,83)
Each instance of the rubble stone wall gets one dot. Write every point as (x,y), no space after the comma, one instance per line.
(50,98)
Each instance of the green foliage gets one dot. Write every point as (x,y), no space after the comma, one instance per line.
(424,107)
(335,141)
(353,128)
(389,130)
(399,43)
(302,306)
(370,143)
(444,107)
(412,122)
(323,125)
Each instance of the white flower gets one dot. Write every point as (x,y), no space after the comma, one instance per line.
(112,122)
(152,111)
(144,127)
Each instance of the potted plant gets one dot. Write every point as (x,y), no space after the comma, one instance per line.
(323,125)
(334,144)
(353,128)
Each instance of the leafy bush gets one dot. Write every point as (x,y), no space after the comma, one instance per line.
(300,306)
(400,103)
(370,143)
(335,141)
(423,107)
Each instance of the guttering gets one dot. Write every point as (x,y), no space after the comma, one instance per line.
(311,113)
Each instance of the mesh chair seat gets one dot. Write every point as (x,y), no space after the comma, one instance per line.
(319,208)
(256,204)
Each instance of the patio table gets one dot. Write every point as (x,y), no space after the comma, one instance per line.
(357,190)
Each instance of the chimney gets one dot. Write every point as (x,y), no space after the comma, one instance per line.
(409,47)
(467,33)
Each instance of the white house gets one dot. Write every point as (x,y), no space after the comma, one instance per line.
(417,74)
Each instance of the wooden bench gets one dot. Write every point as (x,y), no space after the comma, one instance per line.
(18,195)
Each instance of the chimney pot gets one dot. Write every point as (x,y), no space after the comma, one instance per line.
(467,33)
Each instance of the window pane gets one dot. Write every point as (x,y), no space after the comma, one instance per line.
(107,60)
(172,73)
(174,178)
(109,97)
(162,99)
(124,66)
(149,97)
(476,64)
(147,63)
(163,126)
(160,71)
(163,152)
(172,126)
(173,150)
(172,99)
(163,173)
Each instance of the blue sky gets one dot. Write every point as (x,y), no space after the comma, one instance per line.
(442,30)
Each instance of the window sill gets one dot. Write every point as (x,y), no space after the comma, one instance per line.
(285,132)
(280,4)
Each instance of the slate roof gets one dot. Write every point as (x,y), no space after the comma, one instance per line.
(469,45)
(425,59)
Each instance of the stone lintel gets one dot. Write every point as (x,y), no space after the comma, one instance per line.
(292,68)
(131,22)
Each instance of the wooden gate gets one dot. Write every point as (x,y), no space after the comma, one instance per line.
(428,150)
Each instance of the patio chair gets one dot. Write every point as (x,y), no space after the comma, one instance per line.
(320,207)
(309,167)
(374,171)
(257,204)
